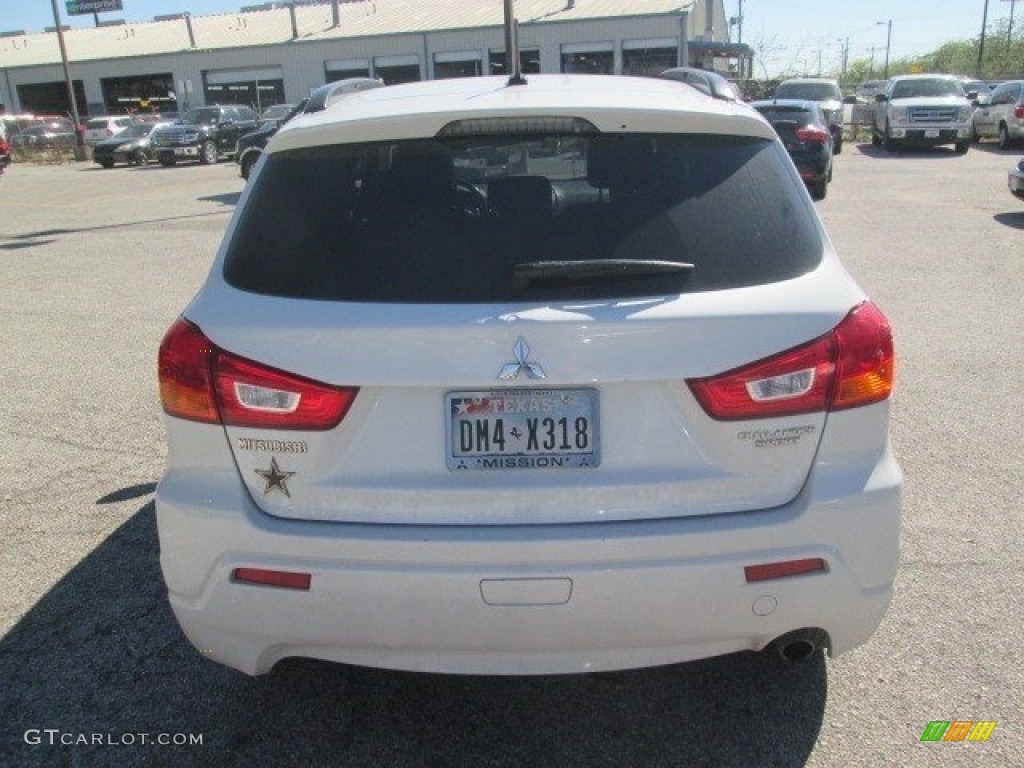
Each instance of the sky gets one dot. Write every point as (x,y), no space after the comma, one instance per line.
(791,33)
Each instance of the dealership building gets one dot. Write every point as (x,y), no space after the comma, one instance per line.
(277,52)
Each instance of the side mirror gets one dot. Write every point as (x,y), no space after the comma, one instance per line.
(881,97)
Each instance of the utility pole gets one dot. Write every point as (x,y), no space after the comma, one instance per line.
(981,46)
(739,24)
(888,44)
(79,137)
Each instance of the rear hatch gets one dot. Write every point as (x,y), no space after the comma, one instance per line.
(521,325)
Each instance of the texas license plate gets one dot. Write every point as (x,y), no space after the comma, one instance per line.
(522,429)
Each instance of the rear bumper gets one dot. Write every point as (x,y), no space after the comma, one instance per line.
(533,599)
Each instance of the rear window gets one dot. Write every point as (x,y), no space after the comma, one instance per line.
(810,91)
(780,112)
(96,124)
(454,220)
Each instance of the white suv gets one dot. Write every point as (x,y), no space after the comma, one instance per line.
(562,376)
(99,129)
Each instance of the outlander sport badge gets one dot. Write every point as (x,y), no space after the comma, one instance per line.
(522,352)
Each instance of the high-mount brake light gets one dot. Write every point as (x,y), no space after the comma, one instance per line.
(200,382)
(850,366)
(518,126)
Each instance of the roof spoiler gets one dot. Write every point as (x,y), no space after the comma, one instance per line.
(709,83)
(326,95)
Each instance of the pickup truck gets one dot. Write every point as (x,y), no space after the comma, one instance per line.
(205,134)
(922,110)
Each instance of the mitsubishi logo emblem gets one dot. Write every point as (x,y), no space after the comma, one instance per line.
(521,350)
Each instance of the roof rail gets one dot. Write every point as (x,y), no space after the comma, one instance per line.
(709,83)
(324,96)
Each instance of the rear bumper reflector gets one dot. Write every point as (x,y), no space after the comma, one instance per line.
(268,578)
(767,571)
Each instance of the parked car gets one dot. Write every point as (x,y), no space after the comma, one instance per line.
(5,154)
(1016,180)
(250,145)
(922,110)
(130,147)
(98,129)
(1000,114)
(50,135)
(562,376)
(276,114)
(205,134)
(974,88)
(867,90)
(803,130)
(825,92)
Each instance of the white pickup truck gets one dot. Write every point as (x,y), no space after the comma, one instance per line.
(922,110)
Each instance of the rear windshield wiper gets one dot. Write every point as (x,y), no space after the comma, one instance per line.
(531,272)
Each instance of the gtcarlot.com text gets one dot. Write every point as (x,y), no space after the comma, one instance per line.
(57,737)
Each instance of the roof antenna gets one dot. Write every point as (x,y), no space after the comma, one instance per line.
(512,63)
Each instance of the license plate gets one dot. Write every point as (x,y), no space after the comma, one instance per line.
(522,429)
(931,134)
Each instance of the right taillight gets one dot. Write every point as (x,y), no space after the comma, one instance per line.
(811,134)
(1018,111)
(201,382)
(850,366)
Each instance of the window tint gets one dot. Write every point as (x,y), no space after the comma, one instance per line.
(448,221)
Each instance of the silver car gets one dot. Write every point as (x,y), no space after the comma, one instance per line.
(1000,115)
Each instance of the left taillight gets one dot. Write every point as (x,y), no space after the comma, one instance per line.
(850,366)
(201,382)
(1018,111)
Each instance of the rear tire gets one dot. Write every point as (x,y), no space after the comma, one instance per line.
(107,163)
(208,153)
(962,147)
(819,188)
(247,163)
(1004,137)
(876,140)
(888,141)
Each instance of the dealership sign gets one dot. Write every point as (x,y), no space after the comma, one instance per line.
(79,7)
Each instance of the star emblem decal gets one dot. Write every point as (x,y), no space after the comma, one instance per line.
(275,478)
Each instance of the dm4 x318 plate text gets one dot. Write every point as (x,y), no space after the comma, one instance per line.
(522,429)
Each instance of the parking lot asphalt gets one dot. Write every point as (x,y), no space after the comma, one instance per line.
(93,669)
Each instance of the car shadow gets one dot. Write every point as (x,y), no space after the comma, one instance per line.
(100,656)
(992,148)
(1014,220)
(870,150)
(228,198)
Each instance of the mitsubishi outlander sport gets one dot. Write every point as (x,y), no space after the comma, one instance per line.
(527,377)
